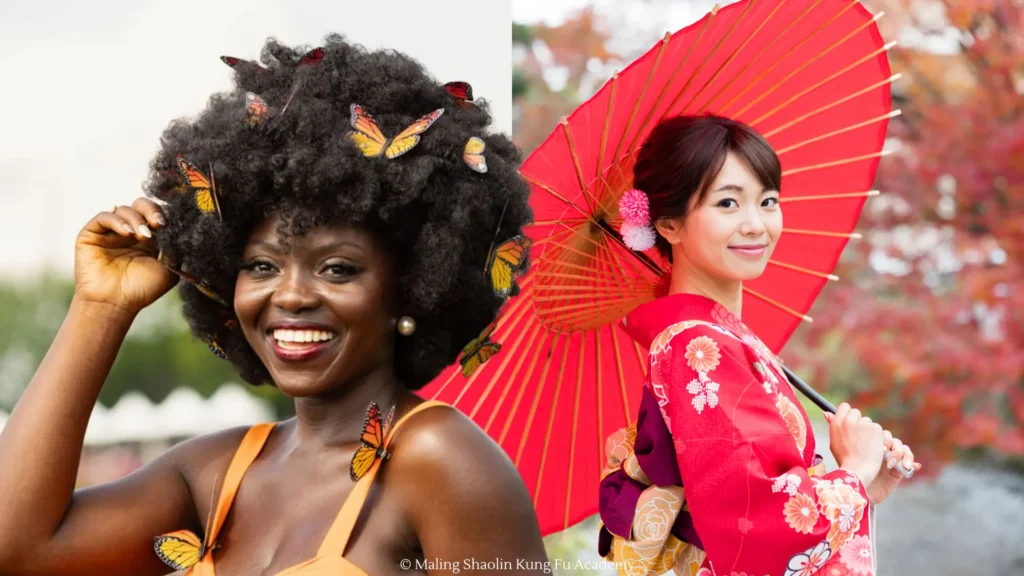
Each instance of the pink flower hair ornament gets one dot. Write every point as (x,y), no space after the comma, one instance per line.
(637,231)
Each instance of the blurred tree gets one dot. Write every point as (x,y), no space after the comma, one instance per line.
(158,355)
(931,309)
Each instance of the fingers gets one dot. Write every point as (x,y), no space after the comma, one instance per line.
(841,413)
(887,436)
(109,222)
(151,211)
(895,454)
(138,223)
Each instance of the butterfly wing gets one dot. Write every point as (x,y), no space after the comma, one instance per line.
(205,194)
(241,64)
(199,284)
(460,90)
(216,349)
(372,433)
(473,154)
(256,109)
(180,550)
(361,462)
(314,56)
(366,134)
(410,137)
(510,259)
(482,351)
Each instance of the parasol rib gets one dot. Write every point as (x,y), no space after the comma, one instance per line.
(522,389)
(712,53)
(817,57)
(575,426)
(515,373)
(551,424)
(803,270)
(779,60)
(835,163)
(874,120)
(640,98)
(829,106)
(778,305)
(824,81)
(536,400)
(830,196)
(852,235)
(739,74)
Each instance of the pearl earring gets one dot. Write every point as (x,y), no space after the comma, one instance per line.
(406,326)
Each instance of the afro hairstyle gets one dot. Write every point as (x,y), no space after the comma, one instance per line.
(438,217)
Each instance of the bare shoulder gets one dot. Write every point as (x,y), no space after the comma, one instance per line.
(462,494)
(441,451)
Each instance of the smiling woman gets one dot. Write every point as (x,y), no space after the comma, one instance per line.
(332,218)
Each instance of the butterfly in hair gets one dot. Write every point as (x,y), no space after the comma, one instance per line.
(374,433)
(256,109)
(311,58)
(507,262)
(371,141)
(478,351)
(241,65)
(204,187)
(462,92)
(473,155)
(199,284)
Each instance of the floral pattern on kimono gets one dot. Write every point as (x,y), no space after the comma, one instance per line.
(757,499)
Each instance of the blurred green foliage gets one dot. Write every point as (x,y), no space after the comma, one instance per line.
(158,355)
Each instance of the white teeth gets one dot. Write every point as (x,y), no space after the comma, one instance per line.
(302,336)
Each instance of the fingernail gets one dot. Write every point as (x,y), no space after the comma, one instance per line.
(160,219)
(891,463)
(127,228)
(144,230)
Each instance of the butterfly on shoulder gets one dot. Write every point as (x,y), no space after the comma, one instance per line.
(506,262)
(478,351)
(371,141)
(374,433)
(473,154)
(462,92)
(204,187)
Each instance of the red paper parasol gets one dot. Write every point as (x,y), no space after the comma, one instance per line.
(813,77)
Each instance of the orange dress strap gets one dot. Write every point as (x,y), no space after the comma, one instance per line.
(246,454)
(337,537)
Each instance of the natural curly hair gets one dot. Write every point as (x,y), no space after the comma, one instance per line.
(436,216)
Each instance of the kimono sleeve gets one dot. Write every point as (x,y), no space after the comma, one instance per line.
(754,504)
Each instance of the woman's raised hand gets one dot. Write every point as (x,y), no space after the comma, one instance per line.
(115,258)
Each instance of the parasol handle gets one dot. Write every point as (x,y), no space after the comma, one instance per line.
(827,406)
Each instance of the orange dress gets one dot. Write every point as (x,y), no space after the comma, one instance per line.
(328,559)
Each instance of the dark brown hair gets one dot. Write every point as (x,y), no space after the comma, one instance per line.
(683,155)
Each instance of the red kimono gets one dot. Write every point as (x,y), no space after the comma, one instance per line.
(719,476)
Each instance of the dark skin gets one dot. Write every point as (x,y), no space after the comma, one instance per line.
(448,492)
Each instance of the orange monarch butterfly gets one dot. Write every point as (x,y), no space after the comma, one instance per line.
(373,442)
(205,188)
(473,155)
(371,141)
(257,110)
(182,549)
(462,92)
(478,351)
(508,261)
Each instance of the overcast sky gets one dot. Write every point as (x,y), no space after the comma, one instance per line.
(89,87)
